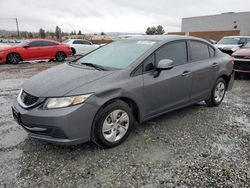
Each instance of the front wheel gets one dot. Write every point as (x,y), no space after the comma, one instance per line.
(13,58)
(112,124)
(60,56)
(218,93)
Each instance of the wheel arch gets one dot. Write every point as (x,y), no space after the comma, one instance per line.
(73,50)
(226,78)
(14,53)
(130,102)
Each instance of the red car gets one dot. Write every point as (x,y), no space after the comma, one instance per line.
(242,59)
(35,49)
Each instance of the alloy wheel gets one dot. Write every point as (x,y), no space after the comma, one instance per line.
(115,125)
(219,92)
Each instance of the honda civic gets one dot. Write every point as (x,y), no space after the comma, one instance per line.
(102,95)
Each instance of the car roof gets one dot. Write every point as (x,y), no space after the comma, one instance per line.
(237,37)
(163,38)
(35,39)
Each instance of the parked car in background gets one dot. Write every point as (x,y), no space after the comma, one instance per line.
(35,49)
(3,45)
(242,59)
(232,43)
(211,41)
(81,46)
(105,92)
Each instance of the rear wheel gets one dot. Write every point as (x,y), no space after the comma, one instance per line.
(112,124)
(60,56)
(218,93)
(14,58)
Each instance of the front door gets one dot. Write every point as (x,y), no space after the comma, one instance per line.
(171,88)
(35,50)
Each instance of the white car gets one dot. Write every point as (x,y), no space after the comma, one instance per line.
(4,45)
(231,43)
(81,46)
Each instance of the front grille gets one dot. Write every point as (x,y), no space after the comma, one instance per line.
(242,65)
(28,99)
(242,57)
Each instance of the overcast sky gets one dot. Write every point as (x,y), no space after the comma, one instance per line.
(109,15)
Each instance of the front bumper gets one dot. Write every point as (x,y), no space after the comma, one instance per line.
(66,126)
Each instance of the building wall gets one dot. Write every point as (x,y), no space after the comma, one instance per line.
(221,22)
(215,35)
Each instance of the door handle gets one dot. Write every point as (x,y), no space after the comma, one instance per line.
(186,73)
(214,64)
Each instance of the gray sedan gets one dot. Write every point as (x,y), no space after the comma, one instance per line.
(100,96)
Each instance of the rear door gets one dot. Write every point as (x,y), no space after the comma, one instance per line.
(50,49)
(172,87)
(203,67)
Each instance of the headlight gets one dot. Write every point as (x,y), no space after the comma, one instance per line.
(61,102)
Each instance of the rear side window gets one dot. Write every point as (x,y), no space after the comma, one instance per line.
(176,51)
(211,51)
(48,43)
(199,51)
(36,43)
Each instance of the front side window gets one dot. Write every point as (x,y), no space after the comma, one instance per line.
(36,43)
(149,63)
(199,51)
(176,51)
(85,42)
(117,55)
(76,42)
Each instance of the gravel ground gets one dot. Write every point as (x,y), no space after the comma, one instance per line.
(196,146)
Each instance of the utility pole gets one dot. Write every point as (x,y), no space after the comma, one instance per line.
(17,27)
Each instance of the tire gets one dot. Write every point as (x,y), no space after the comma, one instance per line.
(14,58)
(217,94)
(108,129)
(60,56)
(73,51)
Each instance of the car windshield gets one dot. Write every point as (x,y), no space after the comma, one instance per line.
(66,41)
(23,42)
(117,55)
(229,41)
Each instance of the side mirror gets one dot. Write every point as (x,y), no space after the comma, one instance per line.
(165,64)
(26,46)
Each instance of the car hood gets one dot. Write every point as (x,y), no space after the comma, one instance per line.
(226,46)
(60,80)
(242,52)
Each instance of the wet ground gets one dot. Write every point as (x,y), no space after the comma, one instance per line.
(196,146)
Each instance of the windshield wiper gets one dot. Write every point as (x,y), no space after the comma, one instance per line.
(97,67)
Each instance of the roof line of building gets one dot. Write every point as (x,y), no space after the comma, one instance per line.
(231,13)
